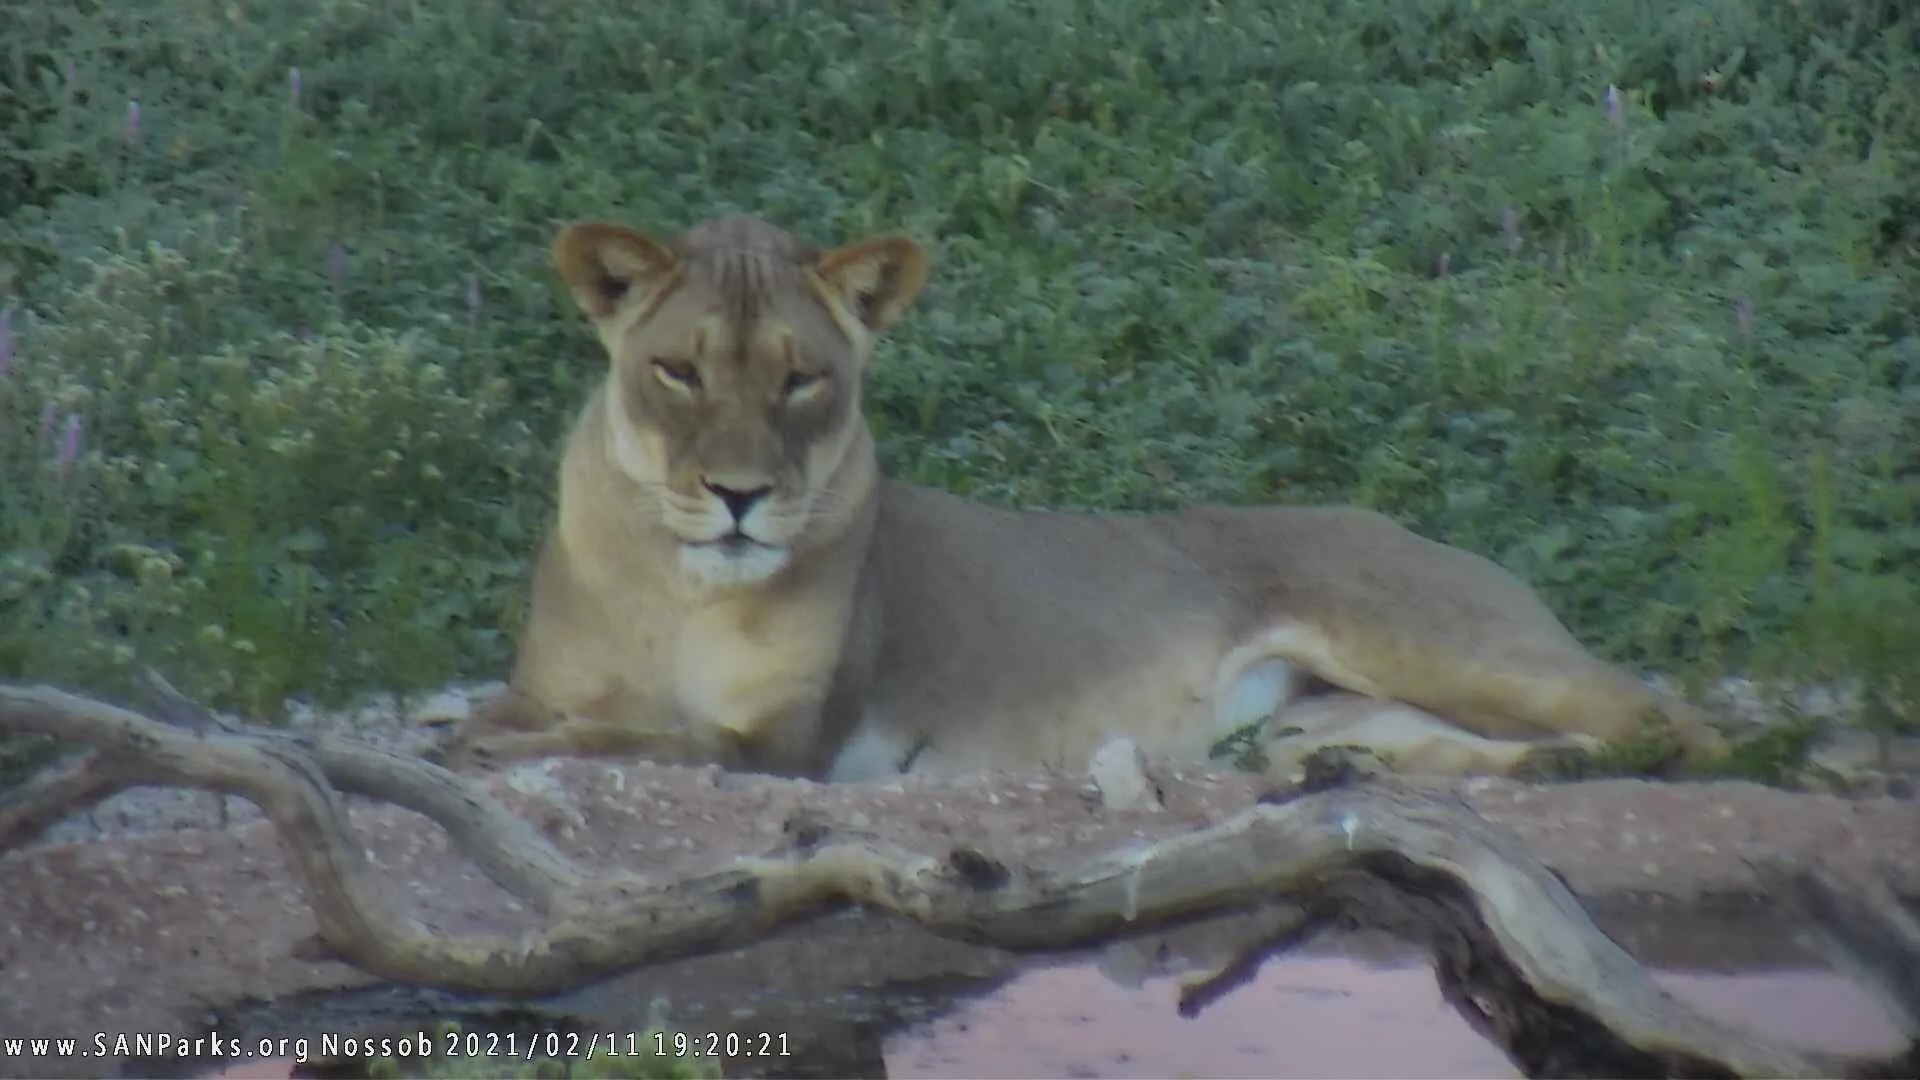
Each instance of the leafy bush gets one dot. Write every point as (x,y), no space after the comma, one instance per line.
(266,512)
(1620,295)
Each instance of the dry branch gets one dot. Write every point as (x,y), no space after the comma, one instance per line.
(1515,950)
(1864,930)
(55,793)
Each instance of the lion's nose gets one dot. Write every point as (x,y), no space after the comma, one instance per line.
(739,501)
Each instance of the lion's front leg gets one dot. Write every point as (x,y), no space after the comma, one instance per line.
(510,726)
(579,737)
(515,726)
(783,740)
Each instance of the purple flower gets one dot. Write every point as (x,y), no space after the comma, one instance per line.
(1743,318)
(6,340)
(48,414)
(337,266)
(293,86)
(1443,264)
(69,443)
(1616,108)
(133,121)
(72,73)
(473,300)
(1510,225)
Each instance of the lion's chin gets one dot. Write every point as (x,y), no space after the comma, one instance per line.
(732,562)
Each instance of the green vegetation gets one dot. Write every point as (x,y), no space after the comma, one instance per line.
(1621,295)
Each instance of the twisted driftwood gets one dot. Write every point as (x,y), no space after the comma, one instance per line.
(1517,954)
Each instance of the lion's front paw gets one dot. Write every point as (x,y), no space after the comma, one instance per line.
(510,727)
(466,751)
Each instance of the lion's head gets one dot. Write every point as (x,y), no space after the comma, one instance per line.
(733,396)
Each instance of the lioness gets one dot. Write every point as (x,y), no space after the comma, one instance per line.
(732,580)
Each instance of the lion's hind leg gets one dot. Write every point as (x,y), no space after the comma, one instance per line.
(1373,608)
(1407,740)
(1510,682)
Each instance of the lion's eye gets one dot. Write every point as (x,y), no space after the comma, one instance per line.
(677,373)
(799,382)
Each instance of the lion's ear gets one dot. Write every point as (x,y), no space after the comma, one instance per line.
(876,279)
(603,263)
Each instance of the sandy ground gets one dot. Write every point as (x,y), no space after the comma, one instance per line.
(146,914)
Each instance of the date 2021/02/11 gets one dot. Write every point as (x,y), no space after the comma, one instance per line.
(559,1044)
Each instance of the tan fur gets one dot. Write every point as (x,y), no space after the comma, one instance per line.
(882,627)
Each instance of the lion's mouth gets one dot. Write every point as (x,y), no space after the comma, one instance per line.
(735,560)
(733,545)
